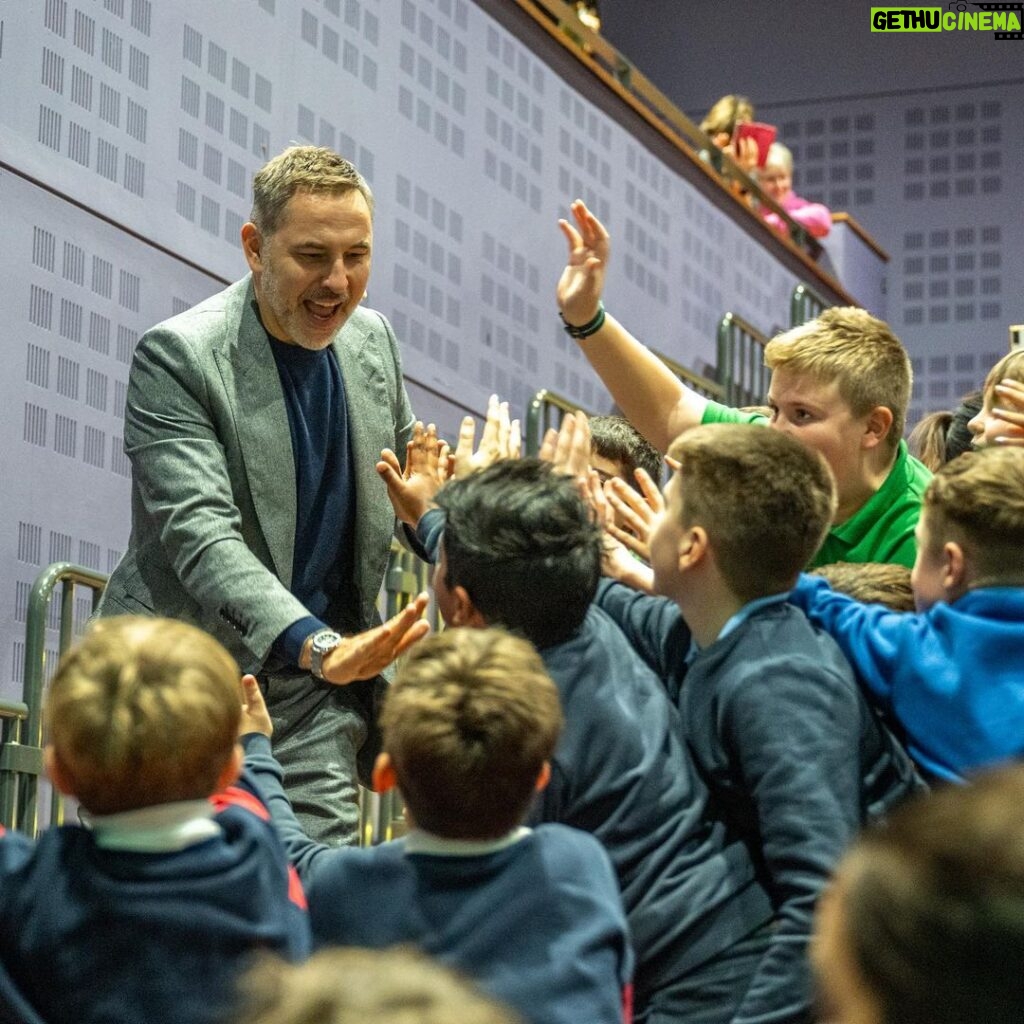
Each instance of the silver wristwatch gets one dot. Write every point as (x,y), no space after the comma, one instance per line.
(323,643)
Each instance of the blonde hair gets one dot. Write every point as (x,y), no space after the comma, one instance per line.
(312,169)
(780,154)
(468,723)
(871,582)
(1011,367)
(142,712)
(365,986)
(764,499)
(859,352)
(979,498)
(725,114)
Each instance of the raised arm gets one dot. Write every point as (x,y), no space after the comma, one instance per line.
(651,397)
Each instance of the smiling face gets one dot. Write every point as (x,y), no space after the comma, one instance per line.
(311,273)
(777,181)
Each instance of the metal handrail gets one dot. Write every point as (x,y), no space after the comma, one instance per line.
(805,304)
(741,370)
(21,757)
(538,417)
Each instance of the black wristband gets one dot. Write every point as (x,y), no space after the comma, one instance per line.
(587,329)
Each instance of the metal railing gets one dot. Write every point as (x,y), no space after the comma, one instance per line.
(805,304)
(21,756)
(539,415)
(741,370)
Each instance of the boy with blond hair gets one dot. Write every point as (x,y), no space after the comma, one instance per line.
(950,675)
(795,759)
(532,916)
(151,908)
(840,385)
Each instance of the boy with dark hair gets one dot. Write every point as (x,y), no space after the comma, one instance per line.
(840,385)
(618,449)
(520,548)
(150,911)
(795,759)
(951,675)
(534,917)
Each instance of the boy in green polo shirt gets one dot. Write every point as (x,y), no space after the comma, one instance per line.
(840,384)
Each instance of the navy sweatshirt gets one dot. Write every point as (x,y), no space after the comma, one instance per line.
(537,924)
(796,760)
(99,936)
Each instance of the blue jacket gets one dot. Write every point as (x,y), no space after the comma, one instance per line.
(795,760)
(538,924)
(113,937)
(952,678)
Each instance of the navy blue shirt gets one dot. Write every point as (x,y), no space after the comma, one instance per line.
(314,395)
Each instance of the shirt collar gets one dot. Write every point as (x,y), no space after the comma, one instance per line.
(165,828)
(418,841)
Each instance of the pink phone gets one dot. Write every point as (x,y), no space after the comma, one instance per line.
(762,134)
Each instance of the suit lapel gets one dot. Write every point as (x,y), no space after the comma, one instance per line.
(261,420)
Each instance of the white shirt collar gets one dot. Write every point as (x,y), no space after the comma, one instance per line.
(418,841)
(164,828)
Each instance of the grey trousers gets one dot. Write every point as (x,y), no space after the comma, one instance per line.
(326,740)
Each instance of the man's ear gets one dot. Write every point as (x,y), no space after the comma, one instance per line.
(465,612)
(57,773)
(693,547)
(252,246)
(383,776)
(876,426)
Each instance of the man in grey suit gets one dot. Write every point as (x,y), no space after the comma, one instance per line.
(254,422)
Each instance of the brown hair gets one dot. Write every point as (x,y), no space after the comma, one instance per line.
(469,722)
(941,436)
(871,582)
(313,169)
(143,712)
(725,113)
(979,497)
(764,499)
(365,986)
(934,905)
(856,350)
(1010,366)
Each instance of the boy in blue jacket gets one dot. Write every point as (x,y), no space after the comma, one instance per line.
(795,759)
(532,916)
(152,908)
(951,676)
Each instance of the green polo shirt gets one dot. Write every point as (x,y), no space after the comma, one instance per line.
(882,529)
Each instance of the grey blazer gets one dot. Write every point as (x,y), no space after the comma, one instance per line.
(213,476)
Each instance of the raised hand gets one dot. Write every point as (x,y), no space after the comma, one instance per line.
(568,448)
(255,717)
(1009,394)
(365,655)
(582,281)
(502,439)
(636,514)
(412,489)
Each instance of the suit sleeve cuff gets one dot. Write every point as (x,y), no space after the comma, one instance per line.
(289,643)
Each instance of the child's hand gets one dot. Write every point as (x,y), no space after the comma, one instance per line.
(502,439)
(1010,395)
(582,281)
(412,489)
(637,513)
(255,717)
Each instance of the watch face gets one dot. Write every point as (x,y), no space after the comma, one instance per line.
(326,641)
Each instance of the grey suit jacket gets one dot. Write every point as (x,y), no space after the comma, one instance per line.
(213,476)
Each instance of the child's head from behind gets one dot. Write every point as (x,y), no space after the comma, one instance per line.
(365,986)
(468,727)
(971,531)
(520,546)
(142,712)
(617,449)
(986,426)
(871,582)
(761,500)
(924,923)
(841,384)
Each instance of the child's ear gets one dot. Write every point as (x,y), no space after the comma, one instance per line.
(543,777)
(56,771)
(230,772)
(955,570)
(383,776)
(465,612)
(877,426)
(693,546)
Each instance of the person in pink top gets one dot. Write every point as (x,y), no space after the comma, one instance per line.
(776,179)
